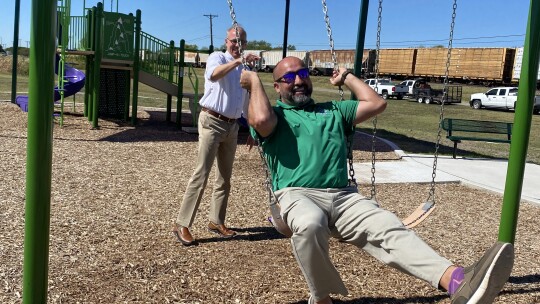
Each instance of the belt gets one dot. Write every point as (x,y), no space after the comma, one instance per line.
(216,114)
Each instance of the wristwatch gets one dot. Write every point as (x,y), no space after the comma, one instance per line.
(344,76)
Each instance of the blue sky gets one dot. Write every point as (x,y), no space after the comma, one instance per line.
(405,23)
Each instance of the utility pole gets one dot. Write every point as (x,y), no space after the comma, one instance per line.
(15,51)
(285,34)
(210,16)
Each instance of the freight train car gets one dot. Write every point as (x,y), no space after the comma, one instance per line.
(488,65)
(321,61)
(477,65)
(269,59)
(516,73)
(393,62)
(191,58)
(258,64)
(196,59)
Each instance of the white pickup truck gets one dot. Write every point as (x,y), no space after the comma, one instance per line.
(386,88)
(500,98)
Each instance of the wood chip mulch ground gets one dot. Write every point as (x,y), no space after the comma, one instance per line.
(116,192)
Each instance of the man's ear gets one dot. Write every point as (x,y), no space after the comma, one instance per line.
(276,86)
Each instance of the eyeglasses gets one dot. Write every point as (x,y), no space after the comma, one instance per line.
(289,77)
(235,41)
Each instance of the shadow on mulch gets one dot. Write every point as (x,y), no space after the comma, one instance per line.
(252,234)
(387,300)
(531,278)
(527,279)
(523,280)
(156,128)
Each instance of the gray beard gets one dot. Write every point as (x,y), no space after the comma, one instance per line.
(297,101)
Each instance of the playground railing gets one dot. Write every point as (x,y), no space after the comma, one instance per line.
(194,106)
(78,34)
(155,56)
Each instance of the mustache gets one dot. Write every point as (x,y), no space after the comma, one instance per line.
(301,87)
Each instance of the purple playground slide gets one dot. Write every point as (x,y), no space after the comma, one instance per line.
(75,82)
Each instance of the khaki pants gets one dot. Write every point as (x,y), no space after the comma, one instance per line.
(315,215)
(217,140)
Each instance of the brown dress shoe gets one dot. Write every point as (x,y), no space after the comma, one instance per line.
(221,230)
(183,235)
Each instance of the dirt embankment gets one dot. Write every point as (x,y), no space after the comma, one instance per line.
(6,64)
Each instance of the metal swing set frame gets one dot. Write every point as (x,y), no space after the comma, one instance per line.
(39,138)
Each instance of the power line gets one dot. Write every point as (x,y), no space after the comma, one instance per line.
(427,42)
(455,39)
(198,38)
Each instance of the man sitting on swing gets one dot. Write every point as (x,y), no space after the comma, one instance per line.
(305,147)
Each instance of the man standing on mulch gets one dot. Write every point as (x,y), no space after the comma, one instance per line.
(222,104)
(305,146)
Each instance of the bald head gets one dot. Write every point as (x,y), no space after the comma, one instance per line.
(287,64)
(296,92)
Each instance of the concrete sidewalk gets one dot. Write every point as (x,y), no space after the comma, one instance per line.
(488,174)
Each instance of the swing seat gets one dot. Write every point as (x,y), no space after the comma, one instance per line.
(277,221)
(419,215)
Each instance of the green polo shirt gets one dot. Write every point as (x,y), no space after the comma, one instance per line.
(308,146)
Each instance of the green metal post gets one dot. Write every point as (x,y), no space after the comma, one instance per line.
(180,84)
(171,78)
(360,39)
(522,127)
(97,63)
(88,85)
(91,23)
(90,77)
(127,99)
(64,22)
(39,151)
(136,67)
(88,64)
(15,51)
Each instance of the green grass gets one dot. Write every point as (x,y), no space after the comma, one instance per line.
(410,125)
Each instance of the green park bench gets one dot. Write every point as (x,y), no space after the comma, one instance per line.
(464,128)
